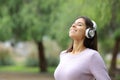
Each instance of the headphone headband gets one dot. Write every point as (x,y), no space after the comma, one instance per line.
(94,25)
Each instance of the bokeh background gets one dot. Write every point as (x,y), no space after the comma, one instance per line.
(34,32)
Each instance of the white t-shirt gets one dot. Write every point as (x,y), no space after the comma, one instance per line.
(86,65)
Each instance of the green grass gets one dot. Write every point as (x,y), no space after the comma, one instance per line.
(23,69)
(117,77)
(18,69)
(51,69)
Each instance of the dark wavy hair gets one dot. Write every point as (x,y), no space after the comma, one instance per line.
(88,42)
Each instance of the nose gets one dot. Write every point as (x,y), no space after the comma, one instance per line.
(73,25)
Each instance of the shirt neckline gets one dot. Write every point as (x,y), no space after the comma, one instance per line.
(79,53)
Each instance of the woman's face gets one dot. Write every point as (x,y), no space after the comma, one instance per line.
(77,30)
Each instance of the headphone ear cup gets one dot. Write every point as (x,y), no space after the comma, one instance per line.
(90,33)
(87,32)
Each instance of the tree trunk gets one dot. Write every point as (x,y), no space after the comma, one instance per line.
(113,28)
(114,58)
(42,60)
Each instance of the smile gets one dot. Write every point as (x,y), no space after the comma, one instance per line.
(72,30)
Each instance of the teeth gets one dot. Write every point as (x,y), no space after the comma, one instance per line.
(73,30)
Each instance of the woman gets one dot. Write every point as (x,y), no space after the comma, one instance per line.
(82,61)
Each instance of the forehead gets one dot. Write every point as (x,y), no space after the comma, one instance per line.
(80,20)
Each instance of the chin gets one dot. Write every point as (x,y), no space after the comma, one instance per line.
(72,36)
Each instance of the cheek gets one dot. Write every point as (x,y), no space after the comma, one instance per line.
(81,32)
(78,35)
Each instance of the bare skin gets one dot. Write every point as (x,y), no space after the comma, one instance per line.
(77,33)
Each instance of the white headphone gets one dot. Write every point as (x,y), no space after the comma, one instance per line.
(90,32)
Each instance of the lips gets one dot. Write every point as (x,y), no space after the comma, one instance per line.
(73,30)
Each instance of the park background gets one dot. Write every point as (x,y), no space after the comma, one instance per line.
(34,32)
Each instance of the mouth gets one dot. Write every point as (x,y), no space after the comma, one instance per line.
(73,30)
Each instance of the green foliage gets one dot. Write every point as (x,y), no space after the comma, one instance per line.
(29,22)
(32,60)
(5,24)
(109,43)
(32,19)
(115,9)
(51,61)
(26,19)
(117,34)
(5,58)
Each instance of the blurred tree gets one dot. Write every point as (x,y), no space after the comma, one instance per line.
(31,25)
(114,27)
(27,20)
(6,24)
(34,23)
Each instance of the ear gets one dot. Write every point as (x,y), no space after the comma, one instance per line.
(90,33)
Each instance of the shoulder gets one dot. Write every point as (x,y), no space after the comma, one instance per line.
(63,52)
(95,56)
(93,53)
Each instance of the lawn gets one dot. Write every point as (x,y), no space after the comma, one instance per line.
(23,69)
(24,73)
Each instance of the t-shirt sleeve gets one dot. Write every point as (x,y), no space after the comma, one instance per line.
(98,68)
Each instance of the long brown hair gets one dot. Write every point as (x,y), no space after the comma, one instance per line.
(88,42)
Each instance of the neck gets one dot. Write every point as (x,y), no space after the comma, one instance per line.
(78,46)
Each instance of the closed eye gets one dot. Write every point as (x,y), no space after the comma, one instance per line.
(79,24)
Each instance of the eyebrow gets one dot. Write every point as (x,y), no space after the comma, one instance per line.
(80,22)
